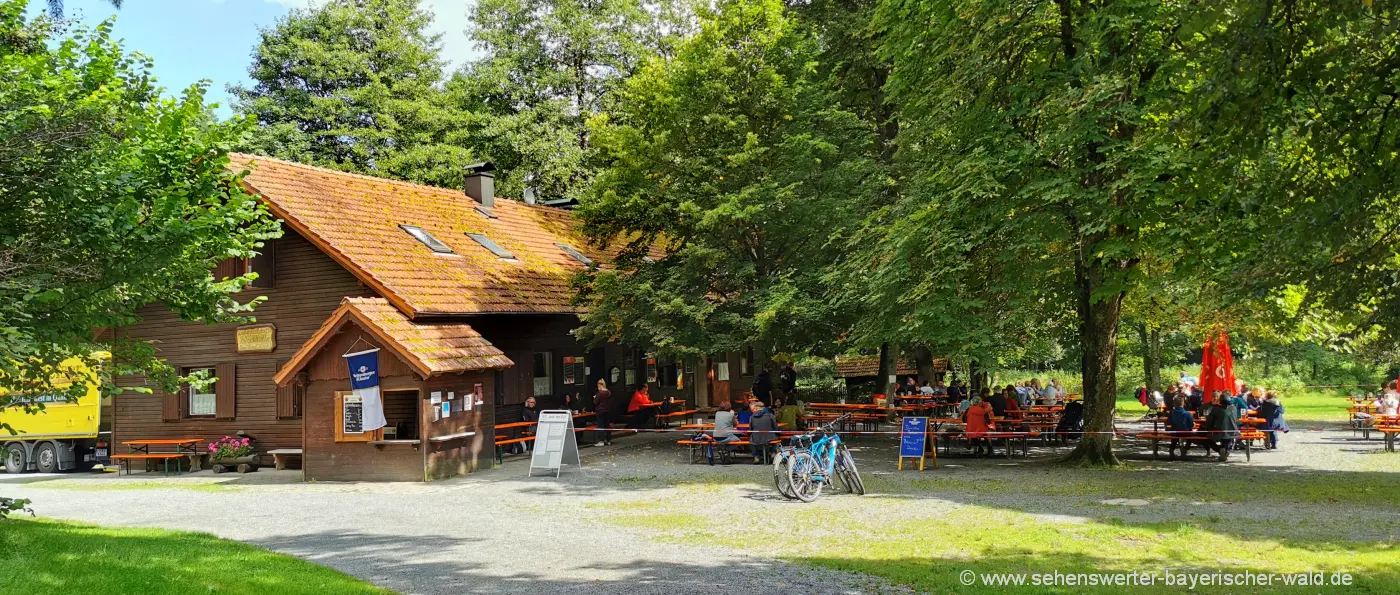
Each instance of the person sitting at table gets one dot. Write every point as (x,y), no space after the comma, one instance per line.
(1180,423)
(602,407)
(909,387)
(1255,398)
(569,402)
(955,393)
(1195,398)
(1388,403)
(642,415)
(997,401)
(977,421)
(1272,412)
(1156,401)
(788,413)
(926,390)
(1240,405)
(763,428)
(1222,425)
(726,424)
(531,412)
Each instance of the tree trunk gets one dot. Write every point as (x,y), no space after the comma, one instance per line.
(923,357)
(1151,357)
(1098,331)
(887,369)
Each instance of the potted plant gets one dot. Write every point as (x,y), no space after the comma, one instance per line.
(232,452)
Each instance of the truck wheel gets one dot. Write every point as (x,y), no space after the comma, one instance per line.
(46,458)
(15,461)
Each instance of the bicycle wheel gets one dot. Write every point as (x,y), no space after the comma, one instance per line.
(782,474)
(847,463)
(805,486)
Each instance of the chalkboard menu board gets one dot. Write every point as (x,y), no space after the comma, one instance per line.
(353,415)
(912,437)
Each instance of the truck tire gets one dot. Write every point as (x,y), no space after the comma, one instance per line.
(15,461)
(46,458)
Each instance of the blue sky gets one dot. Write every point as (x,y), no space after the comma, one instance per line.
(191,40)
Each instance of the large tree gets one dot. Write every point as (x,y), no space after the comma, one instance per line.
(112,197)
(730,158)
(350,84)
(1060,143)
(549,66)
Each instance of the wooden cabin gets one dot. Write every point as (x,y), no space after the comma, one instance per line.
(442,259)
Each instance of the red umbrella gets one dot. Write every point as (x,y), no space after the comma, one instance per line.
(1217,365)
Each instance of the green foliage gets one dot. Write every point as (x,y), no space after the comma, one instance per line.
(731,160)
(550,65)
(112,197)
(13,505)
(350,84)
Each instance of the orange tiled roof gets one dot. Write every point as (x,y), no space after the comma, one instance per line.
(430,348)
(853,367)
(355,219)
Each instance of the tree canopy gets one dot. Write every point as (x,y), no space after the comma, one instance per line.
(112,197)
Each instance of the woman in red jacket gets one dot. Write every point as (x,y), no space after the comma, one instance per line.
(977,421)
(642,414)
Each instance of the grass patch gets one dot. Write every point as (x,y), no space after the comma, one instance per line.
(43,556)
(113,486)
(1382,489)
(1298,406)
(927,552)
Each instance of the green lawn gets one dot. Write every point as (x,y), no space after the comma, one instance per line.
(923,530)
(44,556)
(1305,406)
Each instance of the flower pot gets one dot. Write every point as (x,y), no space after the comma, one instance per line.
(242,464)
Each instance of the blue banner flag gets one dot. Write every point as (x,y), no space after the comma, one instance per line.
(364,382)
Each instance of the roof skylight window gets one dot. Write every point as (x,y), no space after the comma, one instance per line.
(571,251)
(428,240)
(490,245)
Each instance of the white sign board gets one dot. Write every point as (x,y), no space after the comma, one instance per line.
(555,443)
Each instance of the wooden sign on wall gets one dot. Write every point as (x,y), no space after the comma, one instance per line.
(256,338)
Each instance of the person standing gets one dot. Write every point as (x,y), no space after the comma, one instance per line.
(1272,412)
(763,387)
(787,381)
(602,406)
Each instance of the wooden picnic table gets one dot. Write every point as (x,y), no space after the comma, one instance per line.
(140,450)
(182,445)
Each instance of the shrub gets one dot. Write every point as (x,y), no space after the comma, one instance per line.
(230,447)
(9,505)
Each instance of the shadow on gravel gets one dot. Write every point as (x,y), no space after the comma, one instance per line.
(436,564)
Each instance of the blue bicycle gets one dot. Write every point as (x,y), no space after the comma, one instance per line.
(813,461)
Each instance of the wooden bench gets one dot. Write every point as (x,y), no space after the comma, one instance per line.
(501,444)
(124,460)
(1022,438)
(1389,433)
(703,449)
(280,456)
(1156,437)
(685,416)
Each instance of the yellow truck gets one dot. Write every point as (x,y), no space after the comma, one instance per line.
(65,435)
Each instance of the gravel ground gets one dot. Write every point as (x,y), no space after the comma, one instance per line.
(620,524)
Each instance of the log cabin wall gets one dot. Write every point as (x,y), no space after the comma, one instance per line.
(466,454)
(307,287)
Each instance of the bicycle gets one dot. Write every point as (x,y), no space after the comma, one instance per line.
(812,468)
(782,459)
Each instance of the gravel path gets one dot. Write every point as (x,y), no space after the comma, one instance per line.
(622,524)
(493,532)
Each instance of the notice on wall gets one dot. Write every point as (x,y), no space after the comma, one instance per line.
(651,370)
(451,395)
(435,398)
(570,371)
(555,444)
(353,415)
(447,409)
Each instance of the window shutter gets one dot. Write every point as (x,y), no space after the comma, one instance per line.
(265,265)
(170,405)
(229,268)
(287,395)
(224,391)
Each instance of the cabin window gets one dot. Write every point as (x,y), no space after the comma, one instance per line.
(265,265)
(722,371)
(743,365)
(428,240)
(202,399)
(544,374)
(573,252)
(488,244)
(401,415)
